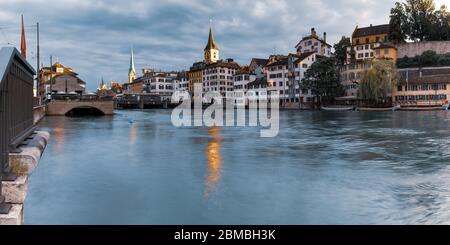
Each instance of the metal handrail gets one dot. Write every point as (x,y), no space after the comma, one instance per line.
(16,110)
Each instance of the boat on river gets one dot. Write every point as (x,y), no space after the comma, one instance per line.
(395,108)
(337,108)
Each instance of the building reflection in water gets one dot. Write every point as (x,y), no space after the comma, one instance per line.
(58,134)
(133,134)
(214,161)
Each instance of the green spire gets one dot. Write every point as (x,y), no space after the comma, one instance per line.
(211,44)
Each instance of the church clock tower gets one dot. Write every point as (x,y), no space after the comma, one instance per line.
(211,50)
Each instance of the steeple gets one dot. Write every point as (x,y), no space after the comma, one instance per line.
(211,53)
(132,70)
(211,44)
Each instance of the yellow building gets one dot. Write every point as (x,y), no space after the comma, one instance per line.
(423,87)
(365,40)
(386,51)
(195,75)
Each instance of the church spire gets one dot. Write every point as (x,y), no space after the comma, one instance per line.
(132,61)
(132,70)
(211,53)
(211,43)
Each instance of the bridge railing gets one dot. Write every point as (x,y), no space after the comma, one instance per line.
(16,109)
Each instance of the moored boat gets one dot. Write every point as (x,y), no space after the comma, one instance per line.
(334,108)
(378,109)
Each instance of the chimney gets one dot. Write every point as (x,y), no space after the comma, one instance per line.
(325,37)
(313,31)
(370,25)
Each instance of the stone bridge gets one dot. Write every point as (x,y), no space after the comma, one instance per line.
(66,107)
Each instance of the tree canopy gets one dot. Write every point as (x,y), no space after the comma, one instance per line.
(418,20)
(377,82)
(323,79)
(340,48)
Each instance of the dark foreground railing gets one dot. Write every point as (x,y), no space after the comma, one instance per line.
(16,109)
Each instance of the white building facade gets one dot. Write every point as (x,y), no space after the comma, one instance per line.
(313,43)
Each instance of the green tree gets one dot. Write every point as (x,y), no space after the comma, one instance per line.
(397,24)
(323,79)
(420,16)
(428,58)
(441,26)
(377,82)
(417,20)
(340,50)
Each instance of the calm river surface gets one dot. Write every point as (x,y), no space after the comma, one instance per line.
(323,168)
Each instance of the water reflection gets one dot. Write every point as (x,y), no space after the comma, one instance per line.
(58,134)
(133,134)
(214,160)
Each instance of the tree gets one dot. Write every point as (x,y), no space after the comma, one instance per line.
(397,24)
(323,79)
(441,28)
(428,58)
(420,16)
(340,50)
(417,20)
(377,82)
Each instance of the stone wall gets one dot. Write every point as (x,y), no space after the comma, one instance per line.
(413,49)
(22,165)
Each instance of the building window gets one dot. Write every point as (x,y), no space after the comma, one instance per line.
(386,51)
(367,40)
(377,52)
(366,47)
(400,88)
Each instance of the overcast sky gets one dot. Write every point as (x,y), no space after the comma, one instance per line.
(94,36)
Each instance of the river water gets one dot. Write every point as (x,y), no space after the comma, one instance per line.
(323,168)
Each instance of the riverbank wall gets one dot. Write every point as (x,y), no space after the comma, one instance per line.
(22,165)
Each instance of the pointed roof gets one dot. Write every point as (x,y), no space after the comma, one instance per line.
(211,44)
(132,69)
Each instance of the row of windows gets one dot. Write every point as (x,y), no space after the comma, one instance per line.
(162,87)
(365,55)
(365,47)
(421,97)
(219,83)
(242,78)
(217,89)
(215,77)
(214,71)
(424,87)
(378,39)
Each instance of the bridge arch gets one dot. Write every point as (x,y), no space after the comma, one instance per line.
(72,108)
(84,111)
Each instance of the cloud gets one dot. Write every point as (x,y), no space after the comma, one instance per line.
(94,36)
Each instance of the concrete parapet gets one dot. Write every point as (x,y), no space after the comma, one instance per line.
(22,165)
(14,217)
(25,162)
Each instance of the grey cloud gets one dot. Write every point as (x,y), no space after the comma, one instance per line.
(94,37)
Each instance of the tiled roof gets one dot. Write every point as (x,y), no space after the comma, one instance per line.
(425,75)
(303,56)
(280,62)
(371,30)
(260,62)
